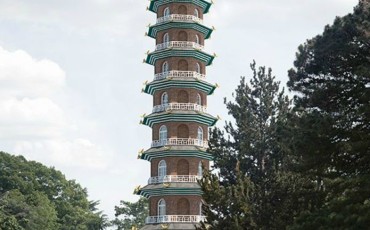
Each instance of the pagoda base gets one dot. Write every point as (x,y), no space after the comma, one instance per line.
(170,226)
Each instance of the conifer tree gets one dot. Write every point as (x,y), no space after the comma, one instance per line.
(332,81)
(253,186)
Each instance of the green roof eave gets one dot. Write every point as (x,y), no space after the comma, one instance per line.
(161,152)
(168,191)
(167,53)
(153,30)
(204,86)
(154,4)
(169,116)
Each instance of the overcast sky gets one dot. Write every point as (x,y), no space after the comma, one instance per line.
(71,75)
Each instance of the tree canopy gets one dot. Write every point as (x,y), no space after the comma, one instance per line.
(331,80)
(33,196)
(133,213)
(253,187)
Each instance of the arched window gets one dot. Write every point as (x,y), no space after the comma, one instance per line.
(197,39)
(196,13)
(161,207)
(165,67)
(197,67)
(166,12)
(200,208)
(162,168)
(163,134)
(164,98)
(200,169)
(199,99)
(200,135)
(166,38)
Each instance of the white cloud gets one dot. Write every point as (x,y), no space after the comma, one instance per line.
(72,153)
(34,124)
(21,75)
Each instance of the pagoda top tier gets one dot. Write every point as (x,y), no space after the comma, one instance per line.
(154,4)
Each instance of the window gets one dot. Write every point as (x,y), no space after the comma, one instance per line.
(197,39)
(200,135)
(197,68)
(200,169)
(161,207)
(165,67)
(166,12)
(166,38)
(196,13)
(199,99)
(200,208)
(164,99)
(162,168)
(163,134)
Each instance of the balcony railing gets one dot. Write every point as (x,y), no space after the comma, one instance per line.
(179,45)
(180,18)
(178,74)
(174,219)
(180,141)
(179,106)
(174,179)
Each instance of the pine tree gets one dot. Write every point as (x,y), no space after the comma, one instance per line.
(332,140)
(253,187)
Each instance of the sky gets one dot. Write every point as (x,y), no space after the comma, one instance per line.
(71,74)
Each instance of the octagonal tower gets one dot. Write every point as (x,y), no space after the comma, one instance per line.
(179,119)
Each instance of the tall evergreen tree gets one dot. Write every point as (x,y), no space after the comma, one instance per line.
(253,187)
(332,81)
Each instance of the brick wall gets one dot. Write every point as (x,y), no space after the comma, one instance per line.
(174,97)
(175,64)
(176,205)
(173,163)
(172,129)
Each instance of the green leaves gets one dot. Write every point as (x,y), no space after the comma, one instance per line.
(253,189)
(33,196)
(134,214)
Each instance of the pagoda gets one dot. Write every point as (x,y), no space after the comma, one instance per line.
(179,119)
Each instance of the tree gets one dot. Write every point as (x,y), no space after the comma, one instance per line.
(134,214)
(253,188)
(332,138)
(33,196)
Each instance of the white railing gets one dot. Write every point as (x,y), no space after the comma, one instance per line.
(178,74)
(179,18)
(179,106)
(174,179)
(174,218)
(180,141)
(179,45)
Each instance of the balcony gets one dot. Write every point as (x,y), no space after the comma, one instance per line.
(184,45)
(179,106)
(180,141)
(179,74)
(179,18)
(174,179)
(174,219)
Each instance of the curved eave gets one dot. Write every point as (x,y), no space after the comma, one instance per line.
(203,86)
(170,116)
(167,53)
(170,189)
(154,4)
(153,30)
(161,152)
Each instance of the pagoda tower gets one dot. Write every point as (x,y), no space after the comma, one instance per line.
(179,119)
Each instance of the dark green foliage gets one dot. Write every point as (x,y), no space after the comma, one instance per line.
(332,137)
(254,188)
(33,196)
(134,214)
